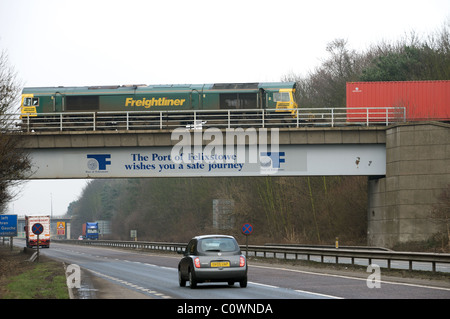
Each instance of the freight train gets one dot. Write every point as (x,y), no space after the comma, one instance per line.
(417,100)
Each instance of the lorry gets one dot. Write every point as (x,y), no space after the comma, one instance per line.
(44,237)
(90,230)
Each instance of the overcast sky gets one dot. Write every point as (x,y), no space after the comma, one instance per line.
(97,42)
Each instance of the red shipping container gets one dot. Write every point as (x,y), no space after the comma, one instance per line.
(423,100)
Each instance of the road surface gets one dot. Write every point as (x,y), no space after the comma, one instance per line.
(154,275)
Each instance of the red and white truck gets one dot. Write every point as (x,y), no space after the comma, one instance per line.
(31,238)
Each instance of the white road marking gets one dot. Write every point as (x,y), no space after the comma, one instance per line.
(354,278)
(149,291)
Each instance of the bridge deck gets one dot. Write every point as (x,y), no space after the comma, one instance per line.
(88,139)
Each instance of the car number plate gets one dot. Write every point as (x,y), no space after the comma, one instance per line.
(220,264)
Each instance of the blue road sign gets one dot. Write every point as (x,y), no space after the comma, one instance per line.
(8,225)
(37,229)
(247,229)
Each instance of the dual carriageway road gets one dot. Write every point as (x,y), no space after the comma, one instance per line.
(154,275)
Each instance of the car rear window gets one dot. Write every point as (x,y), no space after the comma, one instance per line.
(217,245)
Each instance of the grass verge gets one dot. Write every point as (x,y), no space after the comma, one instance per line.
(21,279)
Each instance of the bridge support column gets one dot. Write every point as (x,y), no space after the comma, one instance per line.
(417,171)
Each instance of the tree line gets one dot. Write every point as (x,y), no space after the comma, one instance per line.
(281,209)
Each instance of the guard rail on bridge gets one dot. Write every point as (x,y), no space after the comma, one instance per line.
(198,119)
(288,252)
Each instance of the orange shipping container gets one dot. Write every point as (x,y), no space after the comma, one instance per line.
(423,100)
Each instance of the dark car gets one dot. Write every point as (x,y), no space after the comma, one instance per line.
(212,258)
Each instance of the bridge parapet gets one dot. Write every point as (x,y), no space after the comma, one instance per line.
(290,136)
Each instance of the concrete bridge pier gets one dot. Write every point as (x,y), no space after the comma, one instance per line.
(417,171)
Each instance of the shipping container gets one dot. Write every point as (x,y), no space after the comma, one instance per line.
(421,100)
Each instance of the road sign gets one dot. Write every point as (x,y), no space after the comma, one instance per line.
(60,228)
(37,229)
(247,229)
(8,225)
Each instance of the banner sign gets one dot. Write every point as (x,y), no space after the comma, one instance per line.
(285,160)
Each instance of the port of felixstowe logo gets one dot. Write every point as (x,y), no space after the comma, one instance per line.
(270,162)
(97,163)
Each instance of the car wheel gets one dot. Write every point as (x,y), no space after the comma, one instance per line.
(230,283)
(181,281)
(192,281)
(243,282)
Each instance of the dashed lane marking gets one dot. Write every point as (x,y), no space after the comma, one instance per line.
(131,285)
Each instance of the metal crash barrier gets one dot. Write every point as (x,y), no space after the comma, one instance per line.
(290,252)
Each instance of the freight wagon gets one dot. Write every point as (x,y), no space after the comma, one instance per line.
(421,100)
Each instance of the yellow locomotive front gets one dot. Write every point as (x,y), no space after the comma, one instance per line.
(285,101)
(29,104)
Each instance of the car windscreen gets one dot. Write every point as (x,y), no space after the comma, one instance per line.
(218,244)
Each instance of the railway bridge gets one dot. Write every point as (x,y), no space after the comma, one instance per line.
(408,164)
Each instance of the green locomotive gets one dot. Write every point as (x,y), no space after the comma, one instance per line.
(221,96)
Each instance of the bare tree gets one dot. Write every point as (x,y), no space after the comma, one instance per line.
(14,162)
(325,85)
